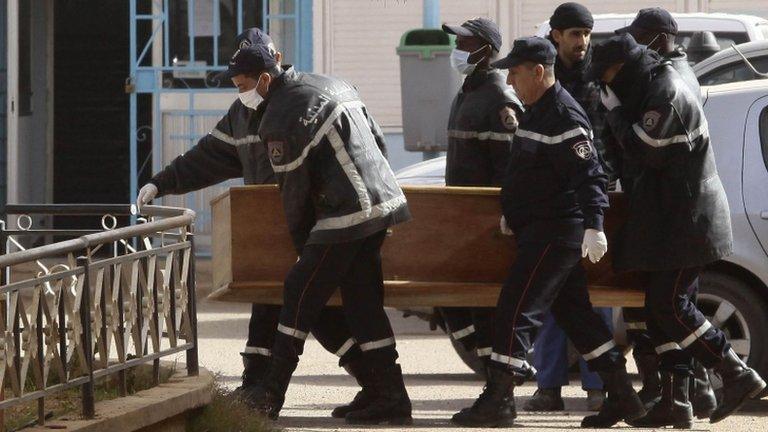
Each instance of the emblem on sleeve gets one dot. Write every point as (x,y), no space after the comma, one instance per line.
(583,150)
(275,149)
(650,120)
(508,118)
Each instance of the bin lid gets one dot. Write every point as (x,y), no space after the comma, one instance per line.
(426,42)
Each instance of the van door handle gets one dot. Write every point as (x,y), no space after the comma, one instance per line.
(764,215)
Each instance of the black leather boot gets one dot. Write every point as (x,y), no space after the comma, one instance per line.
(495,407)
(254,368)
(268,397)
(648,366)
(702,396)
(740,383)
(364,377)
(622,402)
(545,400)
(390,403)
(673,409)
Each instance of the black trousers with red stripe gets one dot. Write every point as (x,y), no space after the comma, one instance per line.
(676,326)
(353,267)
(549,276)
(330,330)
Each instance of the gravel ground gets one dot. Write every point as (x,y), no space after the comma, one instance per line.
(438,382)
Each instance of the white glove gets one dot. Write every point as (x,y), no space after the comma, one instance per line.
(504,227)
(609,98)
(147,193)
(595,245)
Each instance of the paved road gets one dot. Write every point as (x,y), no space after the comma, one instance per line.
(438,382)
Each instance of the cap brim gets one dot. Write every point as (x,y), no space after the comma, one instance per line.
(457,30)
(507,62)
(623,30)
(224,75)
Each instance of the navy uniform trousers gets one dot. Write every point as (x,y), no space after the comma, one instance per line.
(354,267)
(549,277)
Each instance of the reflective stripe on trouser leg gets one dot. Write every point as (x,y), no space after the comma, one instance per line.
(466,331)
(257,350)
(512,361)
(377,344)
(298,334)
(597,352)
(484,352)
(344,348)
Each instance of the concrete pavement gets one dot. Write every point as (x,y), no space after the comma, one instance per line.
(438,382)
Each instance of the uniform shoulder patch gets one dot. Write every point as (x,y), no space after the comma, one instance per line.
(276,151)
(508,118)
(651,120)
(583,150)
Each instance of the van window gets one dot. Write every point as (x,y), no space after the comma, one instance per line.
(734,72)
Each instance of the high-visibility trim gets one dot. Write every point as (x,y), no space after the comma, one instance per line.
(298,334)
(695,335)
(597,352)
(346,221)
(512,361)
(319,135)
(637,326)
(257,350)
(669,346)
(381,343)
(221,136)
(466,331)
(483,352)
(353,175)
(555,139)
(702,130)
(482,136)
(344,348)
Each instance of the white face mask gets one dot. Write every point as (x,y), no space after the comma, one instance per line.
(460,61)
(250,98)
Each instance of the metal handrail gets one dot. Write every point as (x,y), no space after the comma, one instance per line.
(82,303)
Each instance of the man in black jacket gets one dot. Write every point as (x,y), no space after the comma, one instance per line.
(553,197)
(340,196)
(679,219)
(482,122)
(232,150)
(656,28)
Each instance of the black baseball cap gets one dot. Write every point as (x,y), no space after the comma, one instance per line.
(528,49)
(653,19)
(616,49)
(253,36)
(483,28)
(251,59)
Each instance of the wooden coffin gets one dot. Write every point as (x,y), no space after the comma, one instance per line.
(450,254)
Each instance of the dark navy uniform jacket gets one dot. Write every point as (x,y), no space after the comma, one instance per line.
(554,186)
(480,129)
(329,157)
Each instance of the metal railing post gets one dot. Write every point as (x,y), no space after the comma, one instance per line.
(193,367)
(87,389)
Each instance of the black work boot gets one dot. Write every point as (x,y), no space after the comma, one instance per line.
(673,409)
(701,395)
(254,368)
(364,377)
(495,407)
(268,397)
(622,402)
(390,403)
(545,400)
(740,383)
(648,366)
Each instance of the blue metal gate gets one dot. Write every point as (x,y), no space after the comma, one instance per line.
(176,48)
